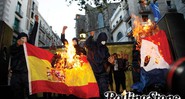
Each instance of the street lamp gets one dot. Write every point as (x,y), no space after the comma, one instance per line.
(83,36)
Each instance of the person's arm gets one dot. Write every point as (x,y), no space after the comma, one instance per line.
(63,39)
(33,33)
(89,42)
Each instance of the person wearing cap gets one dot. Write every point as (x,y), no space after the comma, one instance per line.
(79,50)
(98,57)
(19,79)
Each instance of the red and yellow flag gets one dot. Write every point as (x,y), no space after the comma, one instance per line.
(43,77)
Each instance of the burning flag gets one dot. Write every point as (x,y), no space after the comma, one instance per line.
(46,75)
(155,52)
(155,56)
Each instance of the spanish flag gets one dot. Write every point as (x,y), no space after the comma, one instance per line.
(79,81)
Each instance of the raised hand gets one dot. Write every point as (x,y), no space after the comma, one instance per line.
(64,28)
(36,18)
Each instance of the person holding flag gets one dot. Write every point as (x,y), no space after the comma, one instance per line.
(19,79)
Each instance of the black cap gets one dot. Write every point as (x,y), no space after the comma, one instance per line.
(22,34)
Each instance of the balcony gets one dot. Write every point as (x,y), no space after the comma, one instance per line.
(126,17)
(19,12)
(144,9)
(42,39)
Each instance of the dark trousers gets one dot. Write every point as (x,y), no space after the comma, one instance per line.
(119,77)
(103,83)
(20,86)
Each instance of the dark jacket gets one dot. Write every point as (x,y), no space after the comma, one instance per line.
(33,34)
(18,61)
(79,50)
(97,53)
(121,64)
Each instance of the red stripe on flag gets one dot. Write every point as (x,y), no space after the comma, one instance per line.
(161,41)
(86,91)
(38,52)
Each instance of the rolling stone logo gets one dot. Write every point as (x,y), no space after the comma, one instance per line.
(131,95)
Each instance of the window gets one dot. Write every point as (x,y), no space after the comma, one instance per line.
(120,17)
(100,20)
(119,36)
(33,6)
(18,10)
(16,25)
(168,3)
(130,23)
(144,18)
(19,7)
(32,14)
(14,40)
(113,26)
(31,26)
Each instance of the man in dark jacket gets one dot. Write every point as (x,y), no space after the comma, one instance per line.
(19,79)
(119,73)
(97,56)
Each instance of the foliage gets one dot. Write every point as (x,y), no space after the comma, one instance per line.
(96,3)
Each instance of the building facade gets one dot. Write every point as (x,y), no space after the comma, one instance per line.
(122,30)
(46,36)
(97,19)
(18,16)
(115,18)
(120,23)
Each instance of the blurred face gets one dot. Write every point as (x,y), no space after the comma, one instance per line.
(74,42)
(66,43)
(58,65)
(23,39)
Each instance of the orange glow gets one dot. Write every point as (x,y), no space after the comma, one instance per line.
(71,60)
(143,29)
(70,52)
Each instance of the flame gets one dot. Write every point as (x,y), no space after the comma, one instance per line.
(70,52)
(143,29)
(69,57)
(65,60)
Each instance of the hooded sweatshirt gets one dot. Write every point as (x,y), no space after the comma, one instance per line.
(97,53)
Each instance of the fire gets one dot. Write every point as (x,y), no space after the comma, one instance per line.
(143,29)
(63,61)
(69,57)
(70,52)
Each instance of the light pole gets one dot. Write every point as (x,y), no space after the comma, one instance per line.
(83,36)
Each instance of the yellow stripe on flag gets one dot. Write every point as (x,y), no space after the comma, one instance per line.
(74,77)
(79,81)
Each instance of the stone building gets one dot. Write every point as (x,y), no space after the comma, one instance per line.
(97,19)
(100,19)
